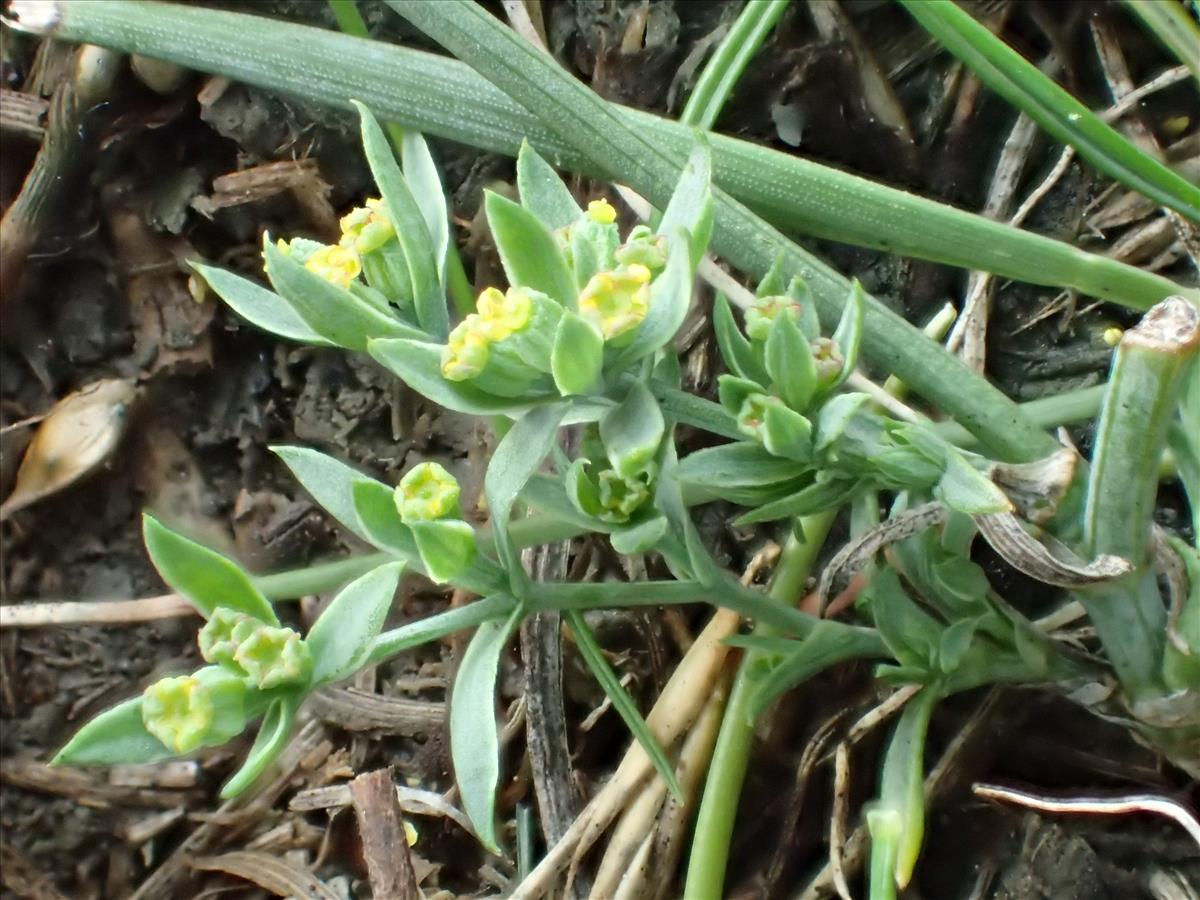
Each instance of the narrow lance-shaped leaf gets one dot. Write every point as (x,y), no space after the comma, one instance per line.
(421,173)
(578,355)
(691,204)
(529,251)
(543,192)
(206,578)
(332,312)
(273,735)
(593,655)
(1021,83)
(330,482)
(409,222)
(790,363)
(901,791)
(258,306)
(474,740)
(848,335)
(632,431)
(515,460)
(116,736)
(340,640)
(735,348)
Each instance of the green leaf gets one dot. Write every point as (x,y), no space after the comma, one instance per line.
(117,736)
(447,547)
(421,173)
(340,640)
(593,655)
(375,508)
(529,251)
(578,355)
(257,305)
(670,297)
(408,219)
(691,204)
(735,466)
(902,783)
(833,417)
(965,489)
(419,365)
(955,642)
(1021,83)
(206,578)
(786,433)
(912,635)
(543,192)
(826,645)
(739,356)
(639,538)
(272,737)
(848,335)
(688,409)
(330,482)
(435,627)
(333,312)
(514,461)
(790,363)
(816,497)
(733,392)
(474,741)
(632,431)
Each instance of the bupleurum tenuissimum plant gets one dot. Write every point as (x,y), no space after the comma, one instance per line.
(581,337)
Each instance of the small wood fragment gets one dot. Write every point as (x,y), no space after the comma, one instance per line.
(381,828)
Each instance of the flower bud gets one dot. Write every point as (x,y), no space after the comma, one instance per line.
(760,316)
(427,493)
(643,247)
(602,212)
(221,634)
(272,657)
(366,228)
(781,430)
(620,497)
(617,302)
(192,711)
(335,264)
(466,351)
(828,358)
(502,314)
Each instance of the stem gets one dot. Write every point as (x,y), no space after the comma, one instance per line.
(726,66)
(1045,412)
(1147,375)
(443,97)
(731,755)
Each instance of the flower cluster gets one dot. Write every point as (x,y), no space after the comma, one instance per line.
(427,499)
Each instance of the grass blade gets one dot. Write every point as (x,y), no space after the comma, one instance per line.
(1174,28)
(593,655)
(443,97)
(1020,83)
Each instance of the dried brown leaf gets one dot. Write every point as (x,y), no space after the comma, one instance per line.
(270,872)
(78,435)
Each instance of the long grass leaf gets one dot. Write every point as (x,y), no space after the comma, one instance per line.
(443,97)
(1021,83)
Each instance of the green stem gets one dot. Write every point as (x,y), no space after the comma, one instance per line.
(444,97)
(1139,408)
(731,755)
(1046,412)
(722,71)
(319,578)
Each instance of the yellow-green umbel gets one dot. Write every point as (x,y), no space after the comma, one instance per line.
(428,492)
(273,657)
(204,709)
(764,311)
(366,228)
(616,302)
(337,265)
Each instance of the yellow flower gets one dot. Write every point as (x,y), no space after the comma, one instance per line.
(466,352)
(272,656)
(179,712)
(428,492)
(601,211)
(337,265)
(366,228)
(502,314)
(616,302)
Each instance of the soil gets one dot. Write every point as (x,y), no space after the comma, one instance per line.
(104,293)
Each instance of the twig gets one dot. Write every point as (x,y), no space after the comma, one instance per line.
(99,612)
(1095,805)
(381,829)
